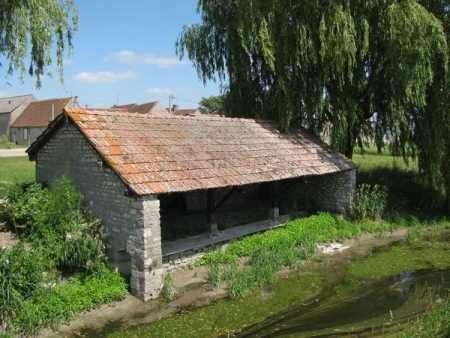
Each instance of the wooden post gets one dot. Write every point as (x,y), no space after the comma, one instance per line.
(211,204)
(274,212)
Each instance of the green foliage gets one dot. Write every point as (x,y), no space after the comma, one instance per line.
(406,220)
(4,142)
(239,284)
(213,275)
(372,70)
(370,202)
(168,289)
(23,38)
(21,269)
(56,237)
(211,105)
(16,170)
(415,233)
(55,219)
(51,306)
(435,325)
(216,257)
(264,267)
(279,248)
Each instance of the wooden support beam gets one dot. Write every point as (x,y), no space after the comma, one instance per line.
(210,206)
(275,194)
(274,211)
(227,196)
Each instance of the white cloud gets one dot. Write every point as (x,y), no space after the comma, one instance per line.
(130,57)
(104,77)
(67,62)
(159,91)
(167,91)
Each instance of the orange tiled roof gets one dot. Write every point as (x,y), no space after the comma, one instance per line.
(163,154)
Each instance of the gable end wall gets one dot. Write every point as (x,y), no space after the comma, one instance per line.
(132,223)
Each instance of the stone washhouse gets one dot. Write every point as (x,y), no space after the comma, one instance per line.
(128,165)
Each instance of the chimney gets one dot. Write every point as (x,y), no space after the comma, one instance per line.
(175,108)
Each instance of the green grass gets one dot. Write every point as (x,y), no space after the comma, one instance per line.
(17,169)
(436,323)
(10,146)
(369,161)
(5,144)
(371,149)
(371,158)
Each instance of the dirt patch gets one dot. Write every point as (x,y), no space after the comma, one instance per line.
(7,238)
(191,292)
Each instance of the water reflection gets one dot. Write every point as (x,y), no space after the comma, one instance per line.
(373,309)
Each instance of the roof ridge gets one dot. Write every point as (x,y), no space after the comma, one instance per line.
(57,99)
(114,110)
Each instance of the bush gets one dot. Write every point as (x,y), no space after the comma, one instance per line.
(57,237)
(370,202)
(55,219)
(21,269)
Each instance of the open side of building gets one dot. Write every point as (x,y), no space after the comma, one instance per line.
(134,168)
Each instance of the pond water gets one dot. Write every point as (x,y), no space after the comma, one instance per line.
(374,309)
(366,293)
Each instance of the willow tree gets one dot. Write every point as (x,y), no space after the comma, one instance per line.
(362,69)
(33,33)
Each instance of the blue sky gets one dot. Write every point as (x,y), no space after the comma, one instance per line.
(124,52)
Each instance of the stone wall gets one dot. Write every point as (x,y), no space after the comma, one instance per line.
(132,222)
(331,192)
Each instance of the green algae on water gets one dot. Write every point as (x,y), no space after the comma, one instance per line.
(226,316)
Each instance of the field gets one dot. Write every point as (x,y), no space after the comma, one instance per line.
(17,169)
(372,159)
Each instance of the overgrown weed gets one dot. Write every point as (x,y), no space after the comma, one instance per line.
(213,275)
(370,202)
(168,287)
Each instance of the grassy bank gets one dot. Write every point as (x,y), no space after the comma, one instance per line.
(287,247)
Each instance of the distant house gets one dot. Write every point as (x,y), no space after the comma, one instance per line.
(10,110)
(175,110)
(154,108)
(129,165)
(36,117)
